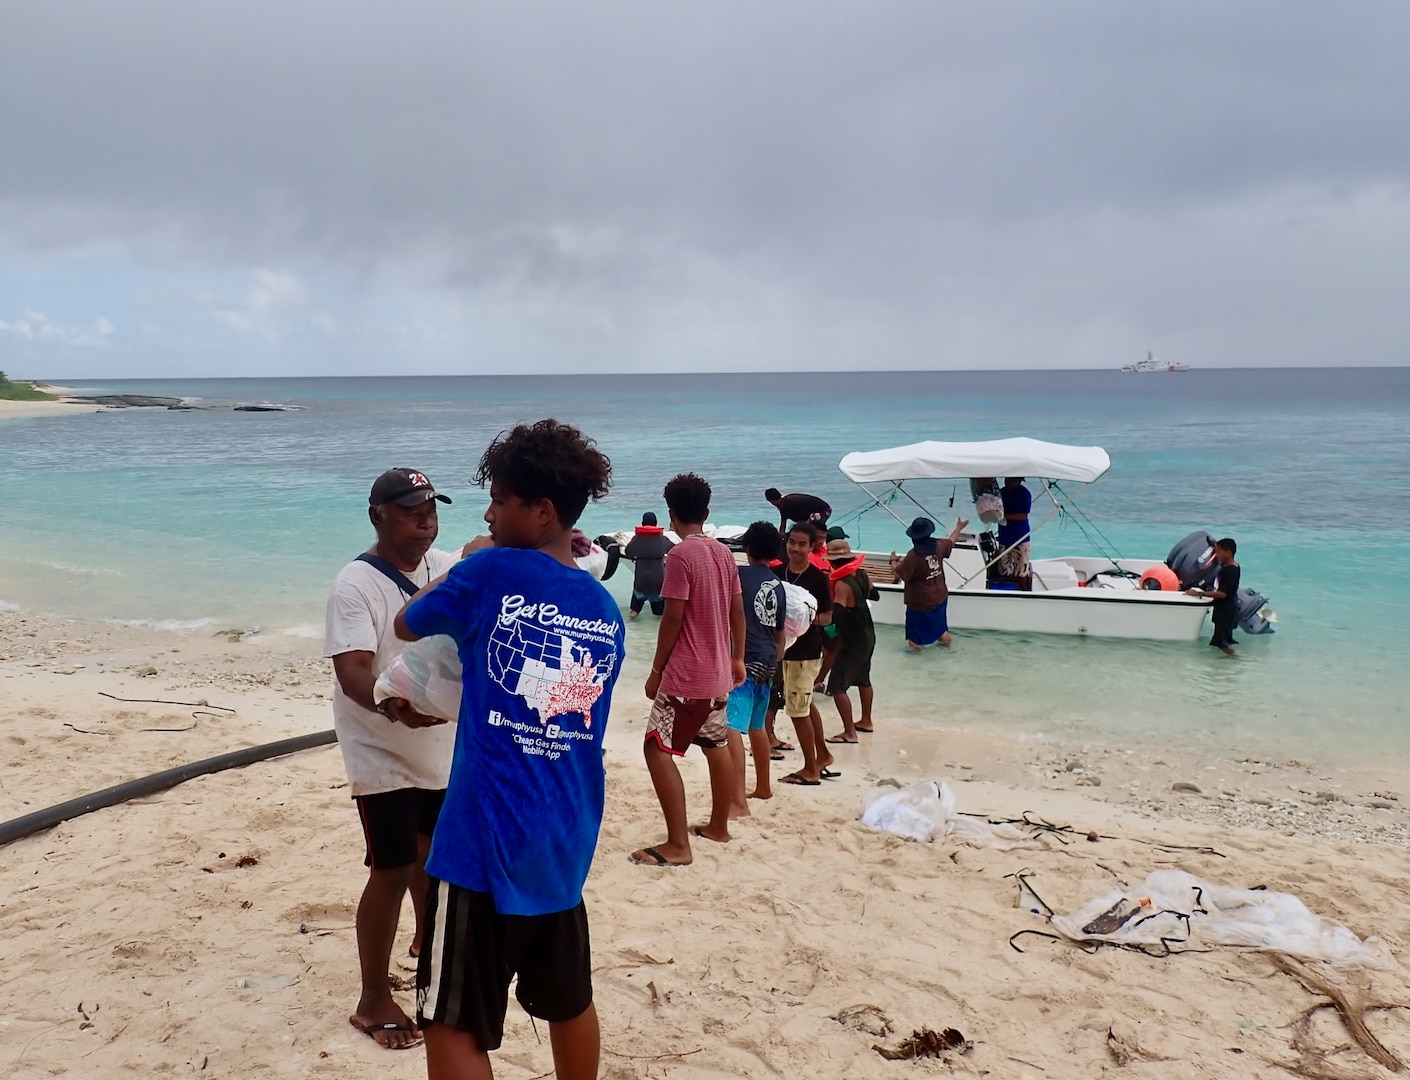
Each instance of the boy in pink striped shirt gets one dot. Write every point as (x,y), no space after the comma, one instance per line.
(699,660)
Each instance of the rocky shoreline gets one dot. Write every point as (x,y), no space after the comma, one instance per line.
(148,401)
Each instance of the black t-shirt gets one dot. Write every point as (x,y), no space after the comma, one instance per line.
(809,645)
(800,507)
(1227,582)
(764,612)
(648,552)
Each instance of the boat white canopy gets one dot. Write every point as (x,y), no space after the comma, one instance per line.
(998,457)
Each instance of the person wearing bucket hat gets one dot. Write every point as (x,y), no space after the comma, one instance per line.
(856,638)
(922,572)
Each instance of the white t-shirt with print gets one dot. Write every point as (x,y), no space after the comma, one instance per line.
(380,754)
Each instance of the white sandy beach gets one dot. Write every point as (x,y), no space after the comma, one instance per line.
(14,410)
(124,934)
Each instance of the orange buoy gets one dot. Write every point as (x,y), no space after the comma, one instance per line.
(1160,579)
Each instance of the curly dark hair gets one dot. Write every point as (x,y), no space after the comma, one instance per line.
(547,460)
(761,541)
(688,499)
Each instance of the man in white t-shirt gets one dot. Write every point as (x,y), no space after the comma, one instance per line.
(397,773)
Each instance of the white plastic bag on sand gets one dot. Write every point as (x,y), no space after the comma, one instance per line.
(926,810)
(802,610)
(1181,910)
(427,674)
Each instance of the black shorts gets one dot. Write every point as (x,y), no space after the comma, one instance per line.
(776,699)
(462,978)
(1224,630)
(393,820)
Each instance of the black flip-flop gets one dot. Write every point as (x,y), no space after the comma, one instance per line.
(830,774)
(657,859)
(777,755)
(794,778)
(866,731)
(783,746)
(696,830)
(370,1030)
(838,740)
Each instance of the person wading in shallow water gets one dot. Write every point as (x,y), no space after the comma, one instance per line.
(1225,594)
(397,774)
(922,572)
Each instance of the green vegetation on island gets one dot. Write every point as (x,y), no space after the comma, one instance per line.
(21,391)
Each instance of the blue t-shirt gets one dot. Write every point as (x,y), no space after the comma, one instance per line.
(542,645)
(1017,500)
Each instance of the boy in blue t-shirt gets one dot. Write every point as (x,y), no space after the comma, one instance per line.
(541,642)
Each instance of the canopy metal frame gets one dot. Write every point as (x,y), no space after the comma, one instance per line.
(896,488)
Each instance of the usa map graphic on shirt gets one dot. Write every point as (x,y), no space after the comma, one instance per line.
(553,672)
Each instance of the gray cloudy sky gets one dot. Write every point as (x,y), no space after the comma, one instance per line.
(357,187)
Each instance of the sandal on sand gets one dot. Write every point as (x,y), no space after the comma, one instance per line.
(867,730)
(696,830)
(794,778)
(371,1030)
(840,740)
(653,858)
(783,746)
(830,774)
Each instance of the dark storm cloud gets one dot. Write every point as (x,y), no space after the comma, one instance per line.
(857,153)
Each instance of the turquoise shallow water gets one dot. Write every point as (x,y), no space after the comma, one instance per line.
(218,519)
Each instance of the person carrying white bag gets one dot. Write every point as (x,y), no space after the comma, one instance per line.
(397,775)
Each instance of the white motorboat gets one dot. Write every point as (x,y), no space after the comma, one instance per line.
(1097,596)
(1151,366)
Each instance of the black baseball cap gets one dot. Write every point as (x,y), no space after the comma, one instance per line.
(835,533)
(405,487)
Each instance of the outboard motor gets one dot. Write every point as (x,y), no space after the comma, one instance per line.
(1192,559)
(1251,617)
(988,546)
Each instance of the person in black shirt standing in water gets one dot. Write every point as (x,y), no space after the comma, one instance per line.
(1225,593)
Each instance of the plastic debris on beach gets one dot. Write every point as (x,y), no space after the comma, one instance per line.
(1173,911)
(867,1018)
(923,1043)
(928,810)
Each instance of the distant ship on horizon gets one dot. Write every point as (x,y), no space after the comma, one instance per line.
(1151,365)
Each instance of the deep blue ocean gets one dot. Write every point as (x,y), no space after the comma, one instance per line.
(208,520)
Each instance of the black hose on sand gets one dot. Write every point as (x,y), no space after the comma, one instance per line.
(21,827)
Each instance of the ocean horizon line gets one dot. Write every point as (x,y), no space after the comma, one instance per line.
(628,374)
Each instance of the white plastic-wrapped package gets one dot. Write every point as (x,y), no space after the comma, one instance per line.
(1176,909)
(428,675)
(802,610)
(929,809)
(594,562)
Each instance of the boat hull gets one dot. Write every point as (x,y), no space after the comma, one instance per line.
(1078,595)
(1081,612)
